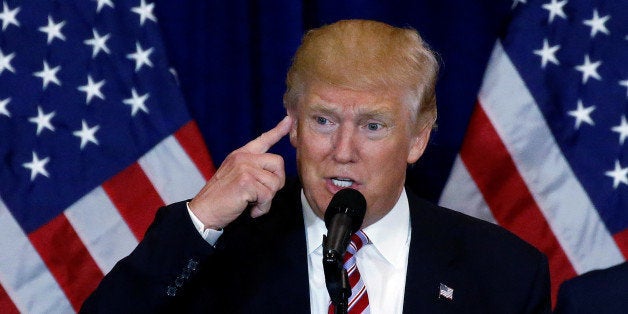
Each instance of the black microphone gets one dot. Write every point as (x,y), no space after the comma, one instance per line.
(343,217)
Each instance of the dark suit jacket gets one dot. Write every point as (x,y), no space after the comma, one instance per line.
(260,266)
(599,291)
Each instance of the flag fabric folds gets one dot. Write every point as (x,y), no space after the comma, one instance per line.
(95,137)
(545,151)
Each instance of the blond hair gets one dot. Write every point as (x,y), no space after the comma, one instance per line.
(367,55)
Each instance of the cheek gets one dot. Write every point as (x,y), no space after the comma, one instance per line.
(387,173)
(388,163)
(311,154)
(312,145)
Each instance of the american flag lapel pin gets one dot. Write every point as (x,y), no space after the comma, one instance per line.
(445,292)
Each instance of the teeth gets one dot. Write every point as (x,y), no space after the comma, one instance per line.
(343,183)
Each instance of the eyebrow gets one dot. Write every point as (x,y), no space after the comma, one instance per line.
(378,113)
(325,109)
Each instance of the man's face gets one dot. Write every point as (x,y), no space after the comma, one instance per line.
(358,139)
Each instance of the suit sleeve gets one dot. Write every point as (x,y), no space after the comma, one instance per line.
(153,276)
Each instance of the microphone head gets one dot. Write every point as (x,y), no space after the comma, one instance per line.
(348,202)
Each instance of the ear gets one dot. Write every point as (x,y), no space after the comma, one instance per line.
(293,129)
(418,144)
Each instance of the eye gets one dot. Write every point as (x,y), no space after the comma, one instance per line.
(374,126)
(322,121)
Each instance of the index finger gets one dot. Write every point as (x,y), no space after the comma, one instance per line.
(269,138)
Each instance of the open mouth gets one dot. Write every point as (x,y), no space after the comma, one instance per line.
(342,182)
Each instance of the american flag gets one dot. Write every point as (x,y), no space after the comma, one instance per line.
(545,151)
(445,292)
(95,137)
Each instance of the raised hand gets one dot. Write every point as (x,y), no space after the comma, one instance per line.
(248,176)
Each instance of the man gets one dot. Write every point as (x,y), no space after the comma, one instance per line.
(361,105)
(600,291)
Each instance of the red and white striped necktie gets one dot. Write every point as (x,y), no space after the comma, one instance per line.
(359,299)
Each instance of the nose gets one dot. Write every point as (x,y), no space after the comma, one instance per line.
(344,145)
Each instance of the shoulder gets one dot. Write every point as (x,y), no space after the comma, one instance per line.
(617,273)
(602,290)
(493,269)
(482,237)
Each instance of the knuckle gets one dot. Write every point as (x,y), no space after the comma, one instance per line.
(280,161)
(237,156)
(263,137)
(245,180)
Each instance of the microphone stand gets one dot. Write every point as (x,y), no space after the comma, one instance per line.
(336,279)
(344,216)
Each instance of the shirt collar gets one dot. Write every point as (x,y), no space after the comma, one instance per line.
(390,235)
(314,226)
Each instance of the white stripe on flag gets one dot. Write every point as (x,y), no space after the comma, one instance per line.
(102,230)
(562,200)
(461,194)
(171,171)
(23,274)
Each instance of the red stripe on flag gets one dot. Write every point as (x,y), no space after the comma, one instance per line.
(621,238)
(6,305)
(67,259)
(192,142)
(507,195)
(135,197)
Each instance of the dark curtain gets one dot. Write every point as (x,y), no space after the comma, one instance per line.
(231,58)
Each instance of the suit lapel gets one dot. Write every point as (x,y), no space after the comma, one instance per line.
(286,285)
(431,261)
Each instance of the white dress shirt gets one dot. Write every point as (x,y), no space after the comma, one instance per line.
(210,235)
(382,263)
